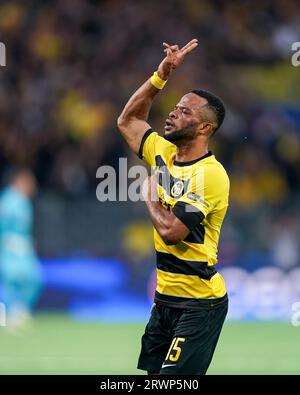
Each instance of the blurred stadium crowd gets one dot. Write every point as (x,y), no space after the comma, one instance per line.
(71,65)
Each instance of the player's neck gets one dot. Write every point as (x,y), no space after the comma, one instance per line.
(191,150)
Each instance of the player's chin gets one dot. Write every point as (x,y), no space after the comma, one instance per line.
(172,137)
(169,130)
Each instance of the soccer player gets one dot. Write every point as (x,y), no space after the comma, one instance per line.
(187,213)
(20,271)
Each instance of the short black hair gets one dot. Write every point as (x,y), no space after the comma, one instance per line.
(214,103)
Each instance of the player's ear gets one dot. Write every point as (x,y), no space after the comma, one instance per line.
(206,128)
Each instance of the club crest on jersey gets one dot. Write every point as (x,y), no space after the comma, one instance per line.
(177,188)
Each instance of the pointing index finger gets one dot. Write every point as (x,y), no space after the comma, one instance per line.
(190,43)
(189,47)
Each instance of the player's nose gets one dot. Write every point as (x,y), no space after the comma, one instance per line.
(173,114)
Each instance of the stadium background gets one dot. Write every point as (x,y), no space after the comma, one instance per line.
(71,65)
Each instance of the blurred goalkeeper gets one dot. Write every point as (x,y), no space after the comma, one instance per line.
(20,273)
(187,200)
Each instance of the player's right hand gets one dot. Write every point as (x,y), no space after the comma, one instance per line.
(174,56)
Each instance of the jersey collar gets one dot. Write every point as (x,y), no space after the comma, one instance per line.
(191,162)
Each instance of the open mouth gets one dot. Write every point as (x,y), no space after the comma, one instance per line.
(169,125)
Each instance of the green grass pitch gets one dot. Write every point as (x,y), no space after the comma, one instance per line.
(58,345)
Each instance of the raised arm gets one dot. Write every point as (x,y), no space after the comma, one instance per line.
(132,122)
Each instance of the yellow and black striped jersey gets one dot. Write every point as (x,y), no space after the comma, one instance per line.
(197,192)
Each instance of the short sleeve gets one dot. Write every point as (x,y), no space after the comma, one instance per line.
(208,191)
(153,144)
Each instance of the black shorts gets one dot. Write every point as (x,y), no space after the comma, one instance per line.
(181,341)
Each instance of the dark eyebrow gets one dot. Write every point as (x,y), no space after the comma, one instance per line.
(183,107)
